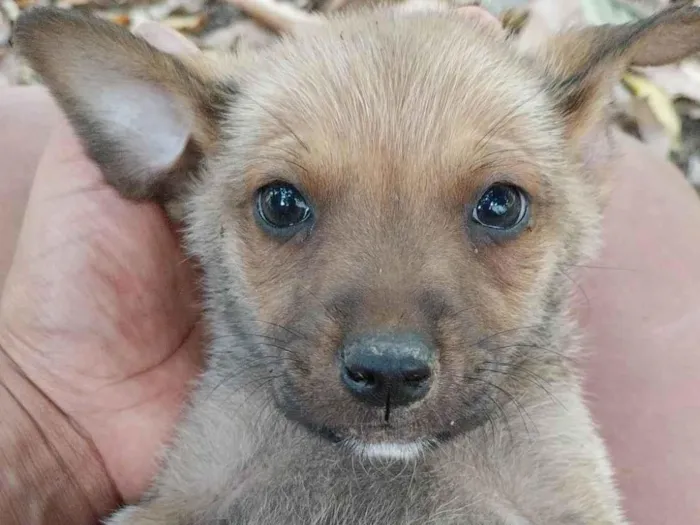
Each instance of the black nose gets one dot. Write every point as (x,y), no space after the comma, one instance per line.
(387,369)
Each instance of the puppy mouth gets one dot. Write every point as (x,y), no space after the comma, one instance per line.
(388,450)
(407,435)
(383,449)
(390,442)
(381,443)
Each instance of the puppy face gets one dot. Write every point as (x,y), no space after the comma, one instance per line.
(386,206)
(394,245)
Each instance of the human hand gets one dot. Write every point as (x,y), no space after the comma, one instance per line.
(99,310)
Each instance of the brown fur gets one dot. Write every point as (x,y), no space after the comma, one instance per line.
(393,123)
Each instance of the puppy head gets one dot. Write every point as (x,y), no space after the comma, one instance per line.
(385,205)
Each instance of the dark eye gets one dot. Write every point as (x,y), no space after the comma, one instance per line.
(502,207)
(281,205)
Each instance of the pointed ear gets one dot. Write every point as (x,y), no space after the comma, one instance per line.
(145,117)
(582,66)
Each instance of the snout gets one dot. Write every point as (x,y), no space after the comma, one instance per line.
(388,370)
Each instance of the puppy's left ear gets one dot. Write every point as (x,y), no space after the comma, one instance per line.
(582,66)
(146,117)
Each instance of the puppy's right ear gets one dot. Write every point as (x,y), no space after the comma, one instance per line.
(144,116)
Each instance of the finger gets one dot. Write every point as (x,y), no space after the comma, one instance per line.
(483,18)
(165,38)
(64,167)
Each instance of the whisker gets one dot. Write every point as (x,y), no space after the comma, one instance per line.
(460,312)
(579,287)
(515,402)
(291,353)
(248,366)
(519,366)
(595,267)
(487,414)
(504,332)
(530,380)
(503,414)
(285,328)
(530,345)
(263,336)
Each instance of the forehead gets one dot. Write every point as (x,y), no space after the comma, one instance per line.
(401,99)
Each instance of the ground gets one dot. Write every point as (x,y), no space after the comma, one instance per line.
(661,106)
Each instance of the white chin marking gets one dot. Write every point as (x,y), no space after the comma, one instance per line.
(392,451)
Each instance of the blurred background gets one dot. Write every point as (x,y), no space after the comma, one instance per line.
(660,106)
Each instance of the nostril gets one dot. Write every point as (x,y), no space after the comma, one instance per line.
(360,376)
(383,369)
(364,384)
(416,378)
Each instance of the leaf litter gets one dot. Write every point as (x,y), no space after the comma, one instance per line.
(658,105)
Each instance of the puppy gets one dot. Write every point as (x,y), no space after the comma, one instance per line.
(386,206)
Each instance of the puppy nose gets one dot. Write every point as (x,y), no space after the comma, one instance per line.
(387,369)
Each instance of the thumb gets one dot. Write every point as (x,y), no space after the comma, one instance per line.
(165,39)
(64,167)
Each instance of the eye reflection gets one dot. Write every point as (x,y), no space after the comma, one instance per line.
(501,207)
(282,206)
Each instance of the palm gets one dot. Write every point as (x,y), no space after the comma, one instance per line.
(100,311)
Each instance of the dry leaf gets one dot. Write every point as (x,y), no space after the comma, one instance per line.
(662,105)
(659,105)
(188,6)
(650,130)
(688,107)
(514,19)
(10,8)
(67,4)
(241,33)
(693,170)
(600,12)
(692,69)
(119,18)
(5,29)
(498,6)
(678,80)
(687,158)
(188,23)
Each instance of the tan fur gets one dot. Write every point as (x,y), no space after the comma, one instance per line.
(393,122)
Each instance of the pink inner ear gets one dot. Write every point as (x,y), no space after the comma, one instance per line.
(482,17)
(145,121)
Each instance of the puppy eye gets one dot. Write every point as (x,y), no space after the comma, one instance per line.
(282,206)
(501,206)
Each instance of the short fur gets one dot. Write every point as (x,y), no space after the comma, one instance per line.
(392,122)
